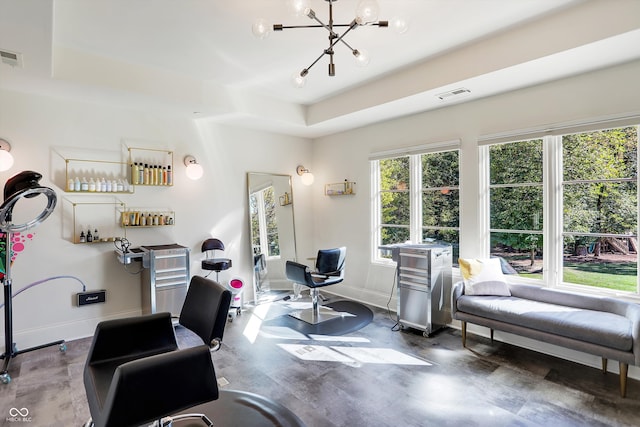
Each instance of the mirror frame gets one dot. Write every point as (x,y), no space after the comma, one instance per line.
(293,223)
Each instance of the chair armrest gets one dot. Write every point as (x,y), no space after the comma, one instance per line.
(633,314)
(132,337)
(456,292)
(327,273)
(147,389)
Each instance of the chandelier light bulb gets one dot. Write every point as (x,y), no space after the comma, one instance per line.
(298,80)
(399,25)
(367,12)
(299,7)
(261,28)
(362,58)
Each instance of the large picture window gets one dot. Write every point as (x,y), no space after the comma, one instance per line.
(586,185)
(417,199)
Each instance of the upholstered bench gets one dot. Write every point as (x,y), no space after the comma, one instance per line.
(605,327)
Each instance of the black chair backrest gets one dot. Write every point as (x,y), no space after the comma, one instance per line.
(205,309)
(212,245)
(330,260)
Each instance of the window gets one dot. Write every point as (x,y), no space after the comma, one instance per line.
(589,196)
(264,226)
(515,198)
(417,199)
(600,208)
(441,199)
(395,206)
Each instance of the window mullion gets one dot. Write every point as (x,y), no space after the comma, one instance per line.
(376,216)
(415,188)
(484,201)
(552,207)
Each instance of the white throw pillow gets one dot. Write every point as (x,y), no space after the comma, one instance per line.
(483,277)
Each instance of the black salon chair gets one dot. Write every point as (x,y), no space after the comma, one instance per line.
(205,310)
(211,263)
(136,374)
(329,271)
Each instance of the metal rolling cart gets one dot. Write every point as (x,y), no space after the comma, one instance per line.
(165,276)
(424,286)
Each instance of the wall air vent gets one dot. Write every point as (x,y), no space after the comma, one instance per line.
(452,93)
(11,58)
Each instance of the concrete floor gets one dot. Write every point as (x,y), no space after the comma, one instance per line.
(373,377)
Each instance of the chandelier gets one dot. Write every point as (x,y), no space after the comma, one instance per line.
(366,14)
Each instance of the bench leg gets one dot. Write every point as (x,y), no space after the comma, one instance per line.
(623,379)
(491,336)
(464,334)
(604,365)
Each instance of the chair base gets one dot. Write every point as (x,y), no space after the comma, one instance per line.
(168,421)
(310,316)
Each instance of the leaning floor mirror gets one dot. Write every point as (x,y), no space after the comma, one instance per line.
(272,232)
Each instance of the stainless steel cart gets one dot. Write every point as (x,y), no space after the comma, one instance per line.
(424,286)
(165,278)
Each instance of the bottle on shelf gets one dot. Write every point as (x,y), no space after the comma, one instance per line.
(82,237)
(89,236)
(134,173)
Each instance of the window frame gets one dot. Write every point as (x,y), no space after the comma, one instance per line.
(416,227)
(553,221)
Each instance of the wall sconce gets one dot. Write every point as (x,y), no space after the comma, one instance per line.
(194,169)
(306,176)
(6,159)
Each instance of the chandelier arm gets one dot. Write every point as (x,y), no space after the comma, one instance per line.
(314,63)
(339,39)
(322,24)
(280,27)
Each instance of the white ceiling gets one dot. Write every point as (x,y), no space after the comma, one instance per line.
(199,57)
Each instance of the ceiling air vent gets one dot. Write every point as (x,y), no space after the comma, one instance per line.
(12,58)
(452,93)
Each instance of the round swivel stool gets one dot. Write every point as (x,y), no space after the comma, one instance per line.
(213,263)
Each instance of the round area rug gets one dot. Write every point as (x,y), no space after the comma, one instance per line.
(357,317)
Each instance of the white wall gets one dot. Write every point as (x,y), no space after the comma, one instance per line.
(346,220)
(215,206)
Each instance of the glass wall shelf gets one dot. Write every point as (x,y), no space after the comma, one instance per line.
(96,176)
(95,221)
(151,167)
(146,217)
(345,188)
